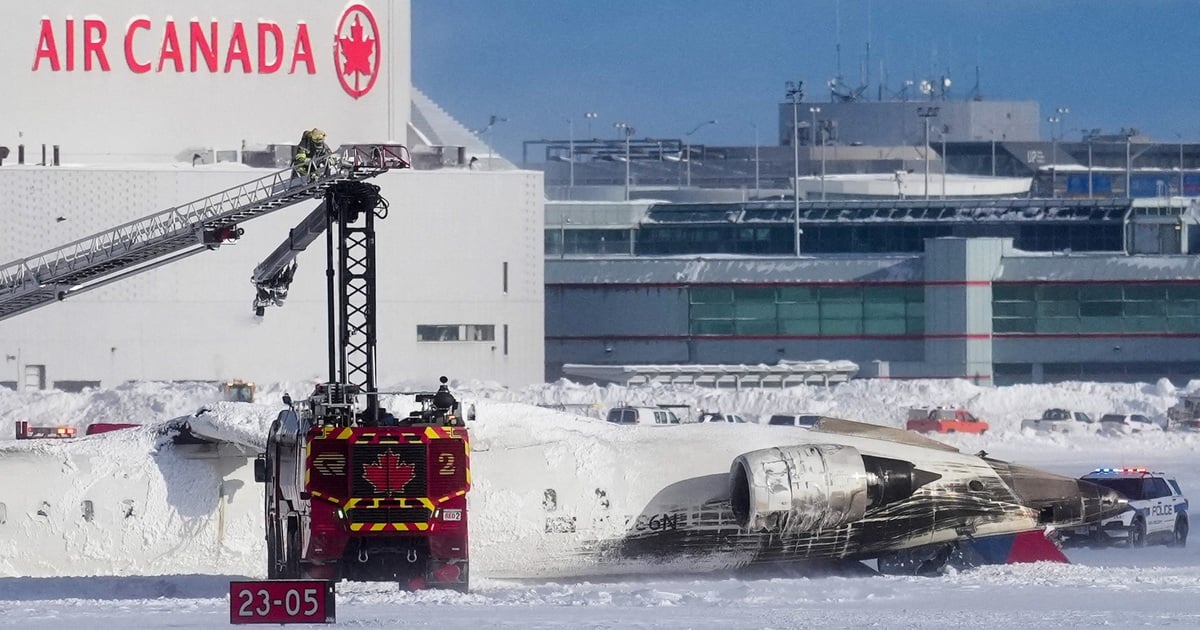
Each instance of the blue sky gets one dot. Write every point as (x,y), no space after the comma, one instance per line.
(665,65)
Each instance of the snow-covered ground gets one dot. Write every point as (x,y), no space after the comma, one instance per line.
(164,570)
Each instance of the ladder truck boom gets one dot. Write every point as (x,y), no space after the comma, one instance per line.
(273,276)
(176,233)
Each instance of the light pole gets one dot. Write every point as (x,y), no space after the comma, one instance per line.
(571,150)
(756,189)
(795,91)
(1180,137)
(628,131)
(812,133)
(487,132)
(993,132)
(927,113)
(1058,119)
(687,141)
(1089,141)
(1128,165)
(942,132)
(590,116)
(1053,155)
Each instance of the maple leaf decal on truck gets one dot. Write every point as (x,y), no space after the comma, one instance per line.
(389,473)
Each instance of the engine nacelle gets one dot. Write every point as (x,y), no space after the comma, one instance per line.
(815,486)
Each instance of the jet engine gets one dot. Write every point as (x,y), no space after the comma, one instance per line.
(815,486)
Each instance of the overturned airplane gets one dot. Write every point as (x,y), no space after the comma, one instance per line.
(702,498)
(554,496)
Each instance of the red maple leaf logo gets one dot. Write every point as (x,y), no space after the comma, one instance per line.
(389,473)
(356,53)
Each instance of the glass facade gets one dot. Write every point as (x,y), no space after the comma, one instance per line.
(560,241)
(1115,308)
(869,238)
(863,227)
(809,310)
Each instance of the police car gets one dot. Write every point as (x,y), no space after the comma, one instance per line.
(1158,511)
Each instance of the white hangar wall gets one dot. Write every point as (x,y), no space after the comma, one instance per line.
(147,80)
(443,252)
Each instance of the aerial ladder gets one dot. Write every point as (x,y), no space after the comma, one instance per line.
(182,231)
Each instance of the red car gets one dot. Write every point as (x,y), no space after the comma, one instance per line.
(944,420)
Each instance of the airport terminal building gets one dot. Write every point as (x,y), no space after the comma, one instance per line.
(119,110)
(995,291)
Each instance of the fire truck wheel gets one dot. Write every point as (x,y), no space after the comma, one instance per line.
(272,550)
(465,585)
(292,566)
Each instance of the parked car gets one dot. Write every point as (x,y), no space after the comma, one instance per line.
(1060,421)
(944,420)
(641,415)
(1157,512)
(716,416)
(794,420)
(1130,423)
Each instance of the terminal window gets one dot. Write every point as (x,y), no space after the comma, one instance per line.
(1166,307)
(811,310)
(456,332)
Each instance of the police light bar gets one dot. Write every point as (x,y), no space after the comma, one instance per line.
(1121,470)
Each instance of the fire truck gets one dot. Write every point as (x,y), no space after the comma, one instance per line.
(26,432)
(352,491)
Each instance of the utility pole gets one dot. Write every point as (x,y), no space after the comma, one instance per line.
(795,91)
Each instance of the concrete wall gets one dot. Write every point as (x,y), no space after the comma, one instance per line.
(958,305)
(97,103)
(441,254)
(898,123)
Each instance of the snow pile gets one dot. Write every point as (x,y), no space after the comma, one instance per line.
(165,518)
(131,502)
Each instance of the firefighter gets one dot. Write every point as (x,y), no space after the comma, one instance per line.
(312,142)
(311,151)
(302,166)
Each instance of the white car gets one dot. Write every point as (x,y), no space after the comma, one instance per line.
(641,415)
(1125,423)
(716,416)
(806,420)
(1061,421)
(1158,511)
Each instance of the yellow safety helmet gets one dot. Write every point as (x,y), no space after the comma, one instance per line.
(316,134)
